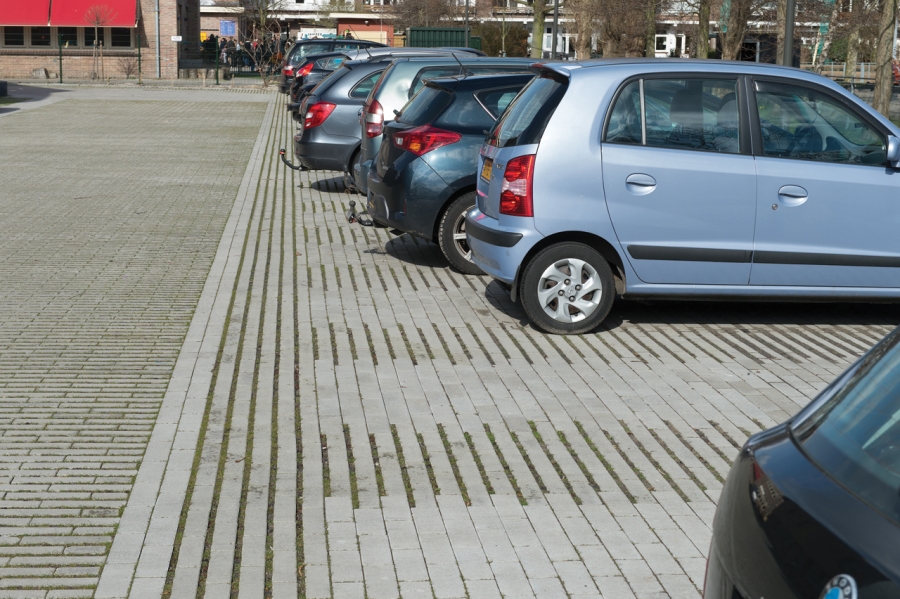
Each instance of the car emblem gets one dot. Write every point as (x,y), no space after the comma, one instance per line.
(842,586)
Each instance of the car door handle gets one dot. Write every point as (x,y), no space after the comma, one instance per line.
(640,184)
(792,195)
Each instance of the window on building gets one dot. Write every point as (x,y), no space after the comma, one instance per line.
(40,36)
(89,36)
(661,42)
(68,36)
(120,37)
(13,36)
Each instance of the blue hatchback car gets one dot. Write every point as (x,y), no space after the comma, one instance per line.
(685,179)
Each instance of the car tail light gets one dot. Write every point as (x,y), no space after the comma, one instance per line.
(305,70)
(515,192)
(317,113)
(764,493)
(374,119)
(288,71)
(422,140)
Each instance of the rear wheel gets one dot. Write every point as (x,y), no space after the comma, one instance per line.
(452,235)
(349,181)
(567,289)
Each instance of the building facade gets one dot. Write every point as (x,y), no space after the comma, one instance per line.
(97,39)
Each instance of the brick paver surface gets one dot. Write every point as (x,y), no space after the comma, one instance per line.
(110,213)
(348,417)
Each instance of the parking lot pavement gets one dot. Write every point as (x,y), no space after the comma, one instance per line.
(342,415)
(368,423)
(112,205)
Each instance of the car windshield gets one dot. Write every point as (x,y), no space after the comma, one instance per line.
(524,121)
(854,435)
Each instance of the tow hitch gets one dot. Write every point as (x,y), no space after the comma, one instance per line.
(289,164)
(358,217)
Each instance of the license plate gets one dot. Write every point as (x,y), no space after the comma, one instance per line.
(486,169)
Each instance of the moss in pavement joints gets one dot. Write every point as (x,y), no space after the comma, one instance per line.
(506,469)
(609,469)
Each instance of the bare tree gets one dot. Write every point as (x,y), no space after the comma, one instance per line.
(421,13)
(884,52)
(267,31)
(128,65)
(97,16)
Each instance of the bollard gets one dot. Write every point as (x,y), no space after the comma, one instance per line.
(60,57)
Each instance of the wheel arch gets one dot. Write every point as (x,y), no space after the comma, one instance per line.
(601,245)
(353,155)
(435,230)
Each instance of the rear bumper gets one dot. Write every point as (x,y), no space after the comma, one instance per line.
(361,175)
(409,200)
(316,150)
(286,83)
(499,250)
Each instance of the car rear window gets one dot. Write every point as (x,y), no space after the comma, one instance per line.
(430,73)
(854,435)
(331,63)
(495,101)
(524,121)
(425,106)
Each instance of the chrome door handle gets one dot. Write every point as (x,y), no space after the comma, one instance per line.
(792,195)
(640,184)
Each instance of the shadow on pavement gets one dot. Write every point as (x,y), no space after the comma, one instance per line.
(28,94)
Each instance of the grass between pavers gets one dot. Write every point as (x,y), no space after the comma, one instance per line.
(506,469)
(428,468)
(665,474)
(401,460)
(326,470)
(678,461)
(578,461)
(444,345)
(370,344)
(453,465)
(554,463)
(695,453)
(351,464)
(726,436)
(298,423)
(481,469)
(480,345)
(409,349)
(609,469)
(379,475)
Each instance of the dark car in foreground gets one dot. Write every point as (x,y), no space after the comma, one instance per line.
(811,508)
(303,48)
(423,182)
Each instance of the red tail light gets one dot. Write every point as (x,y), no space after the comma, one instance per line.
(422,140)
(305,70)
(317,113)
(374,119)
(288,71)
(515,193)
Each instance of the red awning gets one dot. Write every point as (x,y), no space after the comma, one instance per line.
(30,13)
(84,13)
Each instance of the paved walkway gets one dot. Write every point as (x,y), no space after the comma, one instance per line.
(346,416)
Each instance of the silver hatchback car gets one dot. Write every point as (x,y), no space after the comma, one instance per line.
(685,178)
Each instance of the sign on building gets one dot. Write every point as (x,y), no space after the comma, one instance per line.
(228,28)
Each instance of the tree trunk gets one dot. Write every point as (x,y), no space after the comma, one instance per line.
(610,41)
(537,30)
(780,23)
(852,52)
(829,35)
(650,32)
(884,50)
(737,27)
(703,29)
(584,27)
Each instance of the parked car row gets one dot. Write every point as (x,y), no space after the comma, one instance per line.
(639,177)
(571,182)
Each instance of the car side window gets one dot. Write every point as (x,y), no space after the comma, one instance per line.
(362,89)
(307,49)
(687,114)
(496,100)
(624,125)
(692,114)
(804,123)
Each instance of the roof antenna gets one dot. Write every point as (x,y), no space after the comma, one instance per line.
(461,65)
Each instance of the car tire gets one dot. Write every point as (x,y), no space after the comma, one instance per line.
(349,181)
(452,235)
(583,305)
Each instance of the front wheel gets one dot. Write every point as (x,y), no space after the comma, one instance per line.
(567,289)
(452,235)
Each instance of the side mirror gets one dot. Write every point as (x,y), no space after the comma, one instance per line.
(893,151)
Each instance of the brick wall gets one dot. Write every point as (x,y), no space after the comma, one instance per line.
(176,17)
